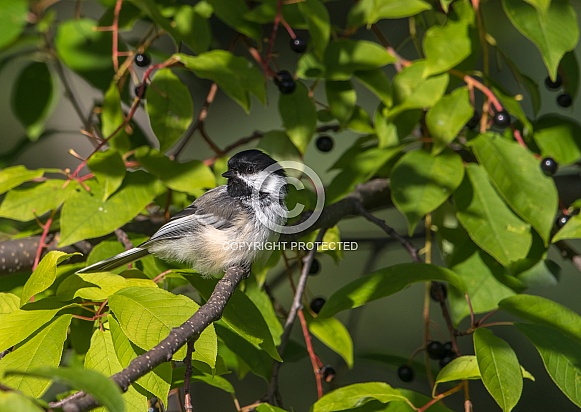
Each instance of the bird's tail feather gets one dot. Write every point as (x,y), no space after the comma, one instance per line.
(116,261)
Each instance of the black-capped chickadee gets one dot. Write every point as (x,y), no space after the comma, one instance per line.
(245,212)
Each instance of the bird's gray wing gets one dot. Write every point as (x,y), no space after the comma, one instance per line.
(215,208)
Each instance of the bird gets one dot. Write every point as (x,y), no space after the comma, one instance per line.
(225,226)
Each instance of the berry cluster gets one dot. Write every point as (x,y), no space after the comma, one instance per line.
(564,99)
(442,352)
(285,82)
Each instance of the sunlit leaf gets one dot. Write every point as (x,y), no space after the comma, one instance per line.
(489,222)
(45,348)
(553,32)
(170,108)
(385,282)
(516,174)
(499,368)
(357,394)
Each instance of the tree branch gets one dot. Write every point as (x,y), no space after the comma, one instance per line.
(189,331)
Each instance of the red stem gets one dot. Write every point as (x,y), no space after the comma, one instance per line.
(277,20)
(314,358)
(41,242)
(115,28)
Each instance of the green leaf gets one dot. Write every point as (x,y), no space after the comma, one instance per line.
(86,215)
(112,118)
(262,301)
(385,282)
(572,230)
(147,315)
(279,146)
(489,222)
(265,407)
(391,130)
(378,83)
(554,32)
(344,57)
(558,137)
(448,117)
(232,13)
(101,356)
(334,334)
(318,21)
(109,169)
(371,11)
(152,10)
(105,391)
(445,47)
(516,174)
(358,164)
(170,108)
(299,116)
(27,204)
(561,357)
(341,98)
(188,177)
(466,367)
(45,348)
(545,312)
(11,177)
(257,360)
(9,303)
(499,367)
(413,90)
(242,315)
(158,381)
(421,182)
(461,368)
(13,17)
(481,274)
(216,381)
(14,401)
(44,275)
(20,324)
(193,26)
(34,97)
(97,286)
(357,394)
(86,50)
(235,75)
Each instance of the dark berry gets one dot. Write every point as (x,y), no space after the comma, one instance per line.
(474,120)
(324,143)
(285,82)
(315,267)
(298,44)
(553,85)
(328,373)
(562,220)
(447,359)
(438,291)
(435,349)
(549,166)
(317,304)
(501,119)
(564,100)
(448,347)
(142,59)
(405,373)
(140,90)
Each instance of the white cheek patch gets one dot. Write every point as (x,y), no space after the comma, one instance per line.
(266,182)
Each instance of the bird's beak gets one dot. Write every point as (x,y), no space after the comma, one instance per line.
(228,174)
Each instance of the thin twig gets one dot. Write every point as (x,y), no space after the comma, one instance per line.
(292,315)
(187,377)
(412,251)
